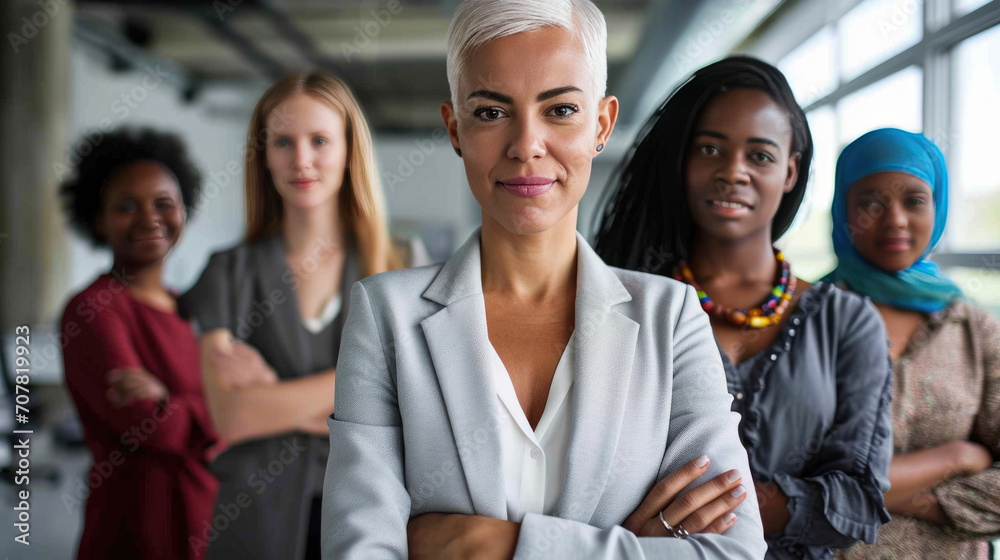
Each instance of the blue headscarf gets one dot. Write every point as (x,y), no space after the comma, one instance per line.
(921,287)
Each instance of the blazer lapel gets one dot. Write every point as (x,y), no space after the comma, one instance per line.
(272,270)
(458,341)
(605,347)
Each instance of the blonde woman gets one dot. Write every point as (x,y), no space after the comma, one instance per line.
(271,311)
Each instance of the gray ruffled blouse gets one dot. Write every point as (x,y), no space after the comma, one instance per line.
(817,421)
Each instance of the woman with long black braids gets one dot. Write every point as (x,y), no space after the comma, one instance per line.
(716,177)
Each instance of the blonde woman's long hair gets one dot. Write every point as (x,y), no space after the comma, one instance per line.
(361,203)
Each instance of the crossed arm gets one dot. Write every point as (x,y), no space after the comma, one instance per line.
(705,509)
(366,490)
(247,400)
(948,484)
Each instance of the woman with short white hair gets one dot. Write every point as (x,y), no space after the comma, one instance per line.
(525,399)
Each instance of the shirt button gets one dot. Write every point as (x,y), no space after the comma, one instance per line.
(774,357)
(536,453)
(791,332)
(739,396)
(795,321)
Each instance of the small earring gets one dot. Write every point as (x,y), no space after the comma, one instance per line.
(600,147)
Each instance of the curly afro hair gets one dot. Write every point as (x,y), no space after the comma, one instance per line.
(83,194)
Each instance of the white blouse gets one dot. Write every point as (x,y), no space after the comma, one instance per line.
(534,461)
(330,311)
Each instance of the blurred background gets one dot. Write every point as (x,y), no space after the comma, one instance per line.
(70,70)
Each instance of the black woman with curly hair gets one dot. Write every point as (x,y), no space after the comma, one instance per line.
(131,361)
(716,177)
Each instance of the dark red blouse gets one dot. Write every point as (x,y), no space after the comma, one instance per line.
(151,494)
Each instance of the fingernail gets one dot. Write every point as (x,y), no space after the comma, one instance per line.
(701,461)
(738,491)
(729,518)
(733,475)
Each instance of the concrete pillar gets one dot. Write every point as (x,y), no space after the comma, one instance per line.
(34,107)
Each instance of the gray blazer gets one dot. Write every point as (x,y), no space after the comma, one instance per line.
(414,428)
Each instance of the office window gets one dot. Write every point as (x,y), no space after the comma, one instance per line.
(823,125)
(962,7)
(866,64)
(807,245)
(981,285)
(895,101)
(975,183)
(875,30)
(808,67)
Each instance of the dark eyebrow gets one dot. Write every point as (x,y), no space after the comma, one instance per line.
(767,141)
(721,136)
(709,133)
(499,97)
(557,92)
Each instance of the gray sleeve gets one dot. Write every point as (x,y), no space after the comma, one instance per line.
(209,301)
(365,502)
(842,501)
(701,423)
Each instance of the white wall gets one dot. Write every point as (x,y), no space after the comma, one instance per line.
(424,181)
(100,99)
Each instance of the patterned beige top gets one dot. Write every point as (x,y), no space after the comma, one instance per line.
(947,387)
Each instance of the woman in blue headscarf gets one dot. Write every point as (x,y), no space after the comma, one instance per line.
(889,210)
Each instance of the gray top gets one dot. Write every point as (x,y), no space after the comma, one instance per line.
(250,290)
(816,421)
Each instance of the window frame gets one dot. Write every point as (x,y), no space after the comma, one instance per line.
(797,21)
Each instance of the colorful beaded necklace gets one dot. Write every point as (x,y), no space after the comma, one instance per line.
(767,314)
